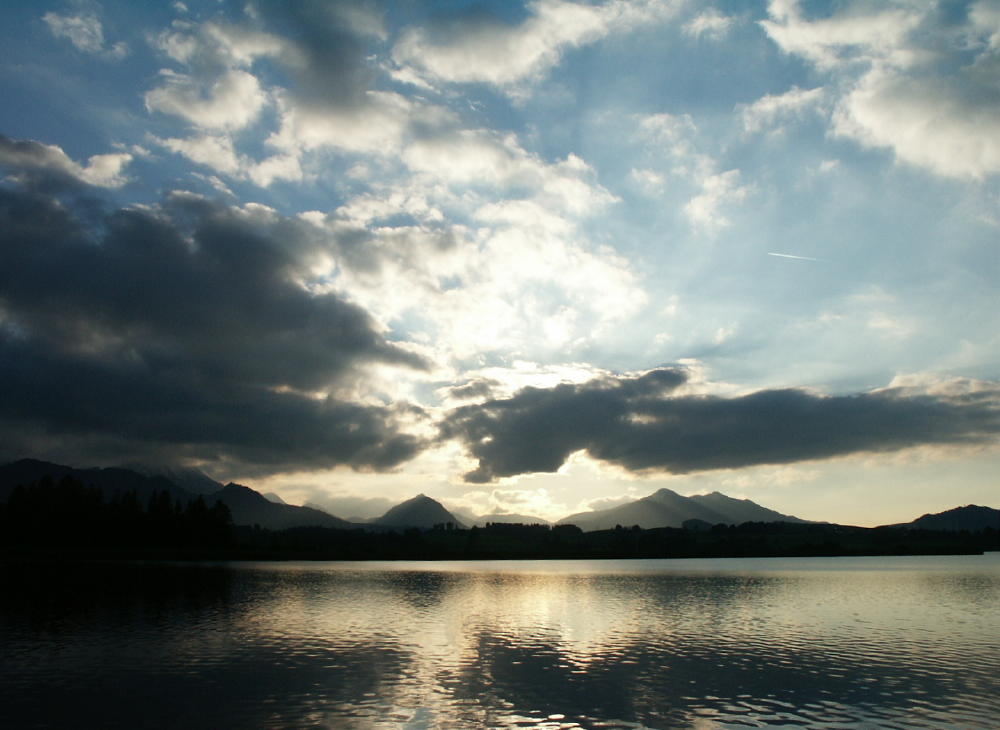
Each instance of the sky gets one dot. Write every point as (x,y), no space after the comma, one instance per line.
(532,258)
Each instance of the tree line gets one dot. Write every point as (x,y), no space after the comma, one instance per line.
(71,514)
(70,517)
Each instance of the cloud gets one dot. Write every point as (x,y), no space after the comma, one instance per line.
(28,159)
(375,124)
(225,81)
(186,326)
(467,289)
(903,80)
(478,47)
(228,102)
(475,157)
(931,123)
(674,137)
(718,190)
(218,152)
(853,36)
(642,424)
(710,24)
(86,33)
(473,389)
(768,110)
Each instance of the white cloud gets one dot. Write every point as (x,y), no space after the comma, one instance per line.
(86,33)
(521,278)
(767,111)
(649,181)
(710,23)
(478,157)
(673,131)
(106,171)
(216,46)
(276,167)
(852,36)
(217,152)
(229,102)
(985,20)
(929,96)
(375,125)
(930,122)
(214,151)
(676,138)
(705,210)
(490,51)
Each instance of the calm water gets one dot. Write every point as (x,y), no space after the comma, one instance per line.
(825,643)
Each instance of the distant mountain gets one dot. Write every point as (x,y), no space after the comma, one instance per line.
(247,506)
(276,498)
(468,517)
(509,518)
(666,508)
(250,507)
(193,480)
(421,511)
(972,517)
(110,480)
(738,511)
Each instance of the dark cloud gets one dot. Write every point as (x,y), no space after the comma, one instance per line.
(636,423)
(187,326)
(40,167)
(478,388)
(326,49)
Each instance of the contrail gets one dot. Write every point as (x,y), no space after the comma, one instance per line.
(790,256)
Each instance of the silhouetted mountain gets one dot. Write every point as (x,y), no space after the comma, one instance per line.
(971,517)
(421,511)
(738,511)
(272,497)
(111,481)
(666,508)
(249,507)
(193,480)
(509,518)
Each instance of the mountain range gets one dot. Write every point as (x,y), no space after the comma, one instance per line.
(666,508)
(663,508)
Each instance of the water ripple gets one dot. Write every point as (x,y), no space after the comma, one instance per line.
(628,644)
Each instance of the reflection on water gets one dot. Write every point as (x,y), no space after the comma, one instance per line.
(875,642)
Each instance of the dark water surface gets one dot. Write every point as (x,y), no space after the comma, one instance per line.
(828,642)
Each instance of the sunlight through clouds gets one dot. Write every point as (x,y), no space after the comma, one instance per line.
(357,250)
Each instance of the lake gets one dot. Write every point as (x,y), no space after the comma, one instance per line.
(900,642)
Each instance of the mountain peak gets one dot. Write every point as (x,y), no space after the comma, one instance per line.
(420,511)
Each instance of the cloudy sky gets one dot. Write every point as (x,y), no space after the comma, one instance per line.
(531,258)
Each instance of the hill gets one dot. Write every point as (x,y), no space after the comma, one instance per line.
(250,507)
(972,517)
(666,508)
(421,511)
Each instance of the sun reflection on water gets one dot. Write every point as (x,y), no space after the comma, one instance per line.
(407,645)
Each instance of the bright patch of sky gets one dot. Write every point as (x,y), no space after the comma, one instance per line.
(768,195)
